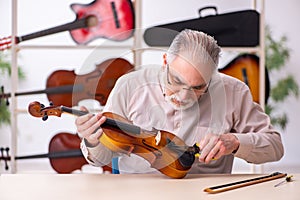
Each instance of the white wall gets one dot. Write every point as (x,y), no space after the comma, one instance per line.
(33,15)
(283,17)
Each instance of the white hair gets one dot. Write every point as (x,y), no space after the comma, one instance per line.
(196,47)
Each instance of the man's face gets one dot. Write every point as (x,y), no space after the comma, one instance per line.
(184,84)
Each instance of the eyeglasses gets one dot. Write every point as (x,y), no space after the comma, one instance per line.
(177,84)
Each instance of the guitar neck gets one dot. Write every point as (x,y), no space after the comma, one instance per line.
(81,23)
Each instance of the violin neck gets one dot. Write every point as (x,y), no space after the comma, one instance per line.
(73,111)
(108,123)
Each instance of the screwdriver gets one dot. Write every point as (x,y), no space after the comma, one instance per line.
(287,179)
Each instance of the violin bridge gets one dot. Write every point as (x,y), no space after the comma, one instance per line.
(157,138)
(130,150)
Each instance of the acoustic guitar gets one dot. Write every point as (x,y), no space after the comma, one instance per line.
(245,67)
(108,19)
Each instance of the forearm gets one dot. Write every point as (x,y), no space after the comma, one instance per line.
(259,148)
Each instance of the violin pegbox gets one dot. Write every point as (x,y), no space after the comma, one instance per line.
(37,109)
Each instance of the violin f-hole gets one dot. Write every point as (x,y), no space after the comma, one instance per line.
(158,154)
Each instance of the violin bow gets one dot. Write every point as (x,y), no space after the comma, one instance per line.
(244,183)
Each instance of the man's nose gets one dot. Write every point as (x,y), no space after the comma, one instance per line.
(186,93)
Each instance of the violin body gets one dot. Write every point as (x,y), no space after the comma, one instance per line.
(115,20)
(162,155)
(69,88)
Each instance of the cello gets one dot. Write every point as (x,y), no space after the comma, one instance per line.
(67,88)
(64,154)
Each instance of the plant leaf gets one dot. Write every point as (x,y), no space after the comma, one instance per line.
(284,88)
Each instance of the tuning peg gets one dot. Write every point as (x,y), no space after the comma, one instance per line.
(42,106)
(51,103)
(2,149)
(7,154)
(45,117)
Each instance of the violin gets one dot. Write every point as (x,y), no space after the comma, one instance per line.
(163,150)
(66,88)
(64,154)
(109,19)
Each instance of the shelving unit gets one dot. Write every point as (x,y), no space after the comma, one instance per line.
(15,48)
(138,48)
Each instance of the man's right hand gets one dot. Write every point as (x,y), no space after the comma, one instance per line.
(88,126)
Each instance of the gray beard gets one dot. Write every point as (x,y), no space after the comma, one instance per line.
(187,105)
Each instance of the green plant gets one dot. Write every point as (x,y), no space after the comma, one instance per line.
(277,54)
(5,69)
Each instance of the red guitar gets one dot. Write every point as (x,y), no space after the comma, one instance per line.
(116,20)
(109,19)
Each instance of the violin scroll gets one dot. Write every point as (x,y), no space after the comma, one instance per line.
(37,109)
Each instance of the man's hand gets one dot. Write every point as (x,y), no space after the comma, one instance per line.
(88,126)
(216,146)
